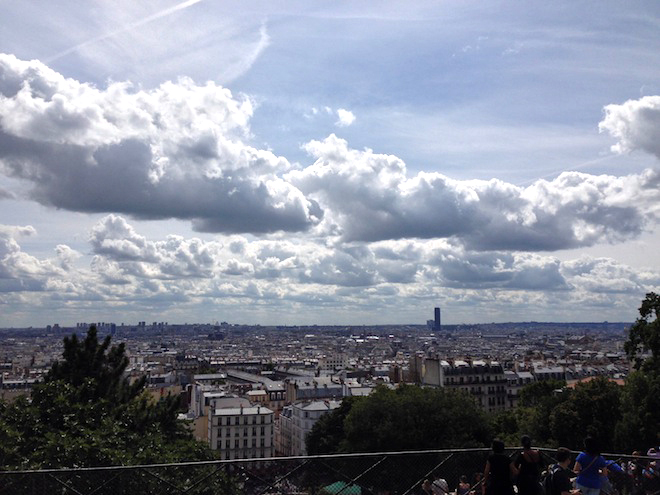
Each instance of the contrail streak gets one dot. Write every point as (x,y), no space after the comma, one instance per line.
(141,22)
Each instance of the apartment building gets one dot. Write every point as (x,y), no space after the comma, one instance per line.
(242,432)
(296,421)
(484,380)
(330,363)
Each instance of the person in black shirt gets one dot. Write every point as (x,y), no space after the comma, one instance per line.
(561,476)
(529,467)
(499,472)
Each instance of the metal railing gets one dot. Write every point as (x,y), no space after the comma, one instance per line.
(398,473)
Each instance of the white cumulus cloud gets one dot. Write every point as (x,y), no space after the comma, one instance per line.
(176,151)
(369,197)
(635,124)
(345,117)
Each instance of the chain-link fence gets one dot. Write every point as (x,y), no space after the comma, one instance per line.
(398,473)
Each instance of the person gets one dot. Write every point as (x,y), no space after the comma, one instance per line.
(634,470)
(499,472)
(439,486)
(651,478)
(529,465)
(587,467)
(426,487)
(463,487)
(477,482)
(560,480)
(606,487)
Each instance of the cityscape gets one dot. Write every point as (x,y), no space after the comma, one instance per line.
(330,248)
(285,378)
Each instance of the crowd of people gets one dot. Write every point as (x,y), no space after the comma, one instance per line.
(526,473)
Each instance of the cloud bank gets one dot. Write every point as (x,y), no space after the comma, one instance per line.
(370,197)
(351,229)
(181,151)
(131,272)
(173,152)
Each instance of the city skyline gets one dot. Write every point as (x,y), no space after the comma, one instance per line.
(288,163)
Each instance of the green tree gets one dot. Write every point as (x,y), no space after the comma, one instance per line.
(412,417)
(540,393)
(639,427)
(537,402)
(87,413)
(644,336)
(327,435)
(505,426)
(591,409)
(95,369)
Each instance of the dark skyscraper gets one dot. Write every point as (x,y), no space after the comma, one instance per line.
(436,321)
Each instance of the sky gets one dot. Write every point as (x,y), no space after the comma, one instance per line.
(328,162)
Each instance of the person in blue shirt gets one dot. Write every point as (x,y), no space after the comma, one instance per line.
(588,466)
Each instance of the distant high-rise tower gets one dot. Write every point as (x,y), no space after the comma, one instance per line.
(436,321)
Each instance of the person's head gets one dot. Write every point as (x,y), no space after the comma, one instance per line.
(591,446)
(440,486)
(477,476)
(563,455)
(463,478)
(498,446)
(526,442)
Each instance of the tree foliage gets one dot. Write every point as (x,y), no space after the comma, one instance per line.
(640,412)
(537,402)
(644,336)
(406,418)
(327,435)
(87,413)
(640,421)
(95,370)
(590,409)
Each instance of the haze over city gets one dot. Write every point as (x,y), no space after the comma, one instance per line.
(335,163)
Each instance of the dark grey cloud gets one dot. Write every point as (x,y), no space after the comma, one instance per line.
(5,194)
(173,152)
(477,270)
